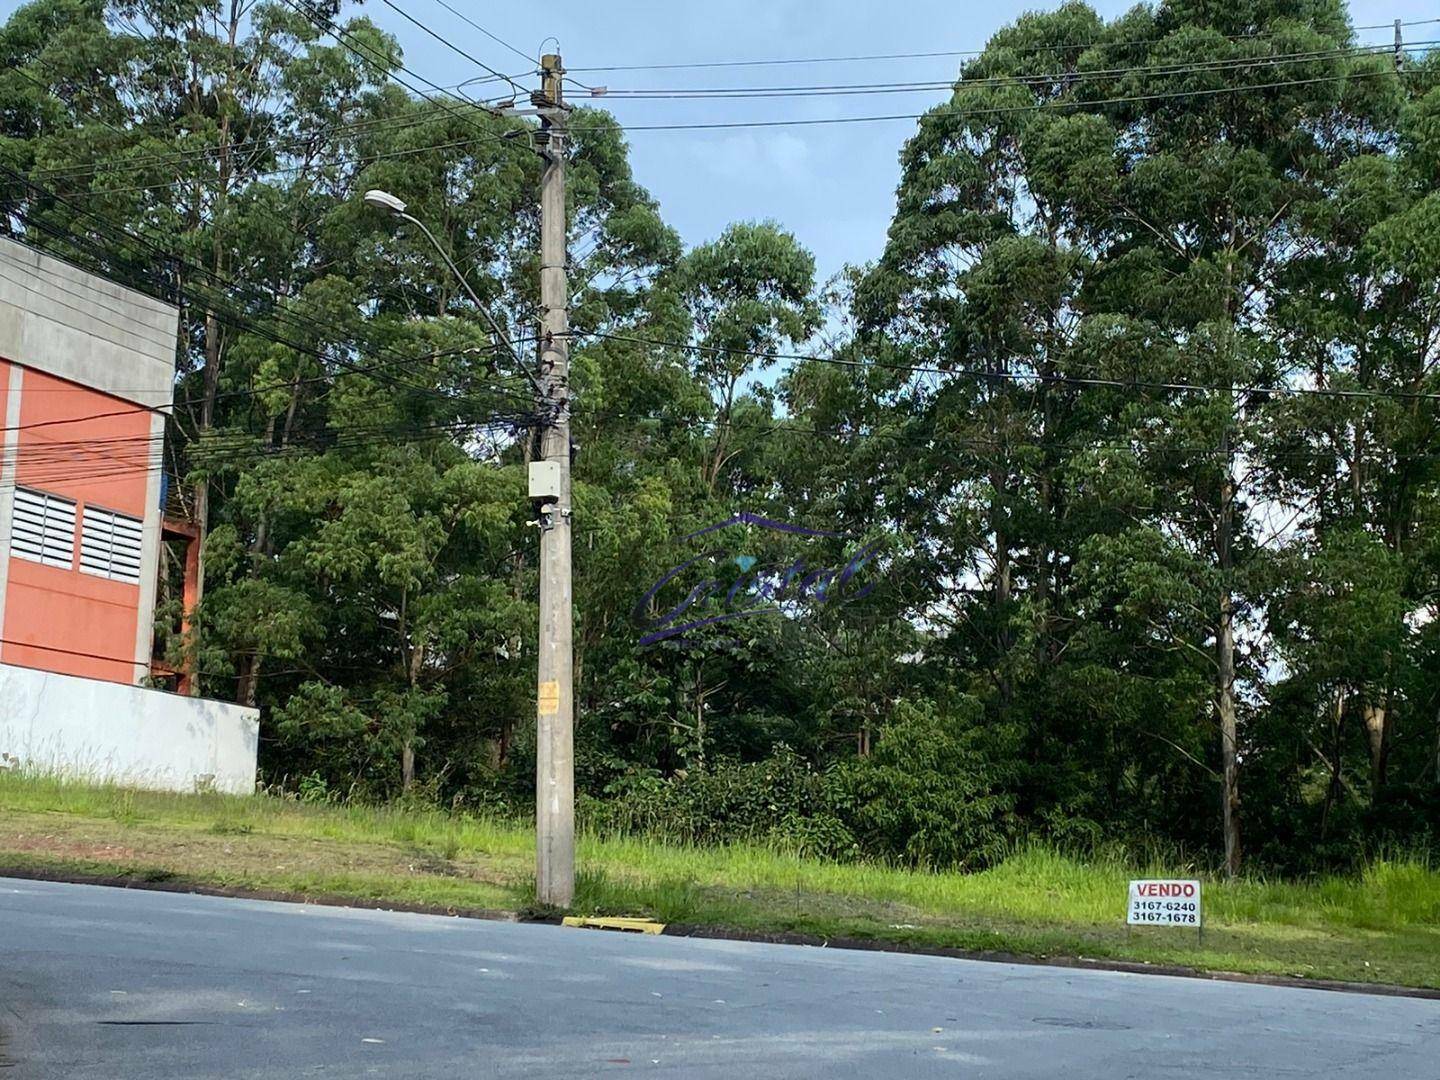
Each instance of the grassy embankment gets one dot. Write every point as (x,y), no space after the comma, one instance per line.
(1382,926)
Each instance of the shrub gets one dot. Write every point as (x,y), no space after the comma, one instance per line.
(934,793)
(782,799)
(931,794)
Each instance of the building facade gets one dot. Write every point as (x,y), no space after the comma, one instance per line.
(86,368)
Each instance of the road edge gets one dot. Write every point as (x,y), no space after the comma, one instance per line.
(719,933)
(1081,963)
(239,892)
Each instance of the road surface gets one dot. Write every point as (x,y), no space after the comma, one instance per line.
(98,982)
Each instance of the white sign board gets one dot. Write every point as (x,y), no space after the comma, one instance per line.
(1164,903)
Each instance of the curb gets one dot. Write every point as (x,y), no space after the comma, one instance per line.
(718,933)
(181,885)
(1081,963)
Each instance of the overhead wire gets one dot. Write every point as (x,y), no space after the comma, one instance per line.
(452,46)
(221,307)
(261,174)
(1073,78)
(1042,105)
(498,40)
(56,284)
(203,154)
(949,109)
(873,57)
(100,459)
(278,309)
(1022,376)
(388,65)
(1068,78)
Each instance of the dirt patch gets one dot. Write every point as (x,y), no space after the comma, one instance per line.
(200,888)
(291,865)
(67,848)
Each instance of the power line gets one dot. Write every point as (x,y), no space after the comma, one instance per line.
(386,63)
(498,40)
(1025,377)
(38,466)
(246,324)
(341,37)
(1069,78)
(279,145)
(184,157)
(259,175)
(129,454)
(866,58)
(276,310)
(949,109)
(452,46)
(128,661)
(254,392)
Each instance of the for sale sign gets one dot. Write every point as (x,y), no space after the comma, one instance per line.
(1164,903)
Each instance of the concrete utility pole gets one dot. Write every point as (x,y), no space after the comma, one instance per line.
(550,484)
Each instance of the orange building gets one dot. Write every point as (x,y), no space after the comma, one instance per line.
(86,368)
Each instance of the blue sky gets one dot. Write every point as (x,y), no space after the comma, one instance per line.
(833,186)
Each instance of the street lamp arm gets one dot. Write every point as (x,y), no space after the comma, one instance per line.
(495,327)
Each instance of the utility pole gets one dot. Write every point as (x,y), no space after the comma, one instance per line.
(550,483)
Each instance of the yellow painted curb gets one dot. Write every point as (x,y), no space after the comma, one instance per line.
(632,926)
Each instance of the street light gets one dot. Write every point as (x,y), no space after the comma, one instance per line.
(383,200)
(393,204)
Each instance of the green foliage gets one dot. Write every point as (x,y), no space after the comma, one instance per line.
(781,799)
(1052,419)
(935,792)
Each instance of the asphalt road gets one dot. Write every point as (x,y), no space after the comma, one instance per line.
(109,983)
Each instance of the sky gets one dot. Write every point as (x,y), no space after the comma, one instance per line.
(831,185)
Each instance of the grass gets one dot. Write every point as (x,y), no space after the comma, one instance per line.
(1379,926)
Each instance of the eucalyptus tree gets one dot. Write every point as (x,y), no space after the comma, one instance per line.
(1358,316)
(1088,244)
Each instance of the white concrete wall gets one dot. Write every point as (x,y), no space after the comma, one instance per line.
(78,326)
(130,735)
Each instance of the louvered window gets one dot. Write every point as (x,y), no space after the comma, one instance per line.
(110,545)
(43,528)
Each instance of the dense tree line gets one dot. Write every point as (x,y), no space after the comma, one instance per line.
(1101,507)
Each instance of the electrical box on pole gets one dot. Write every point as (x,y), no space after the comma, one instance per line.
(545,481)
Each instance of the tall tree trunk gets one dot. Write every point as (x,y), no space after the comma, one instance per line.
(699,720)
(1376,715)
(213,354)
(711,472)
(1225,674)
(1437,747)
(201,499)
(1335,788)
(407,764)
(262,549)
(1225,629)
(1001,587)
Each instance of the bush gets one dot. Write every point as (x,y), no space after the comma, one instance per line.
(781,799)
(930,794)
(934,793)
